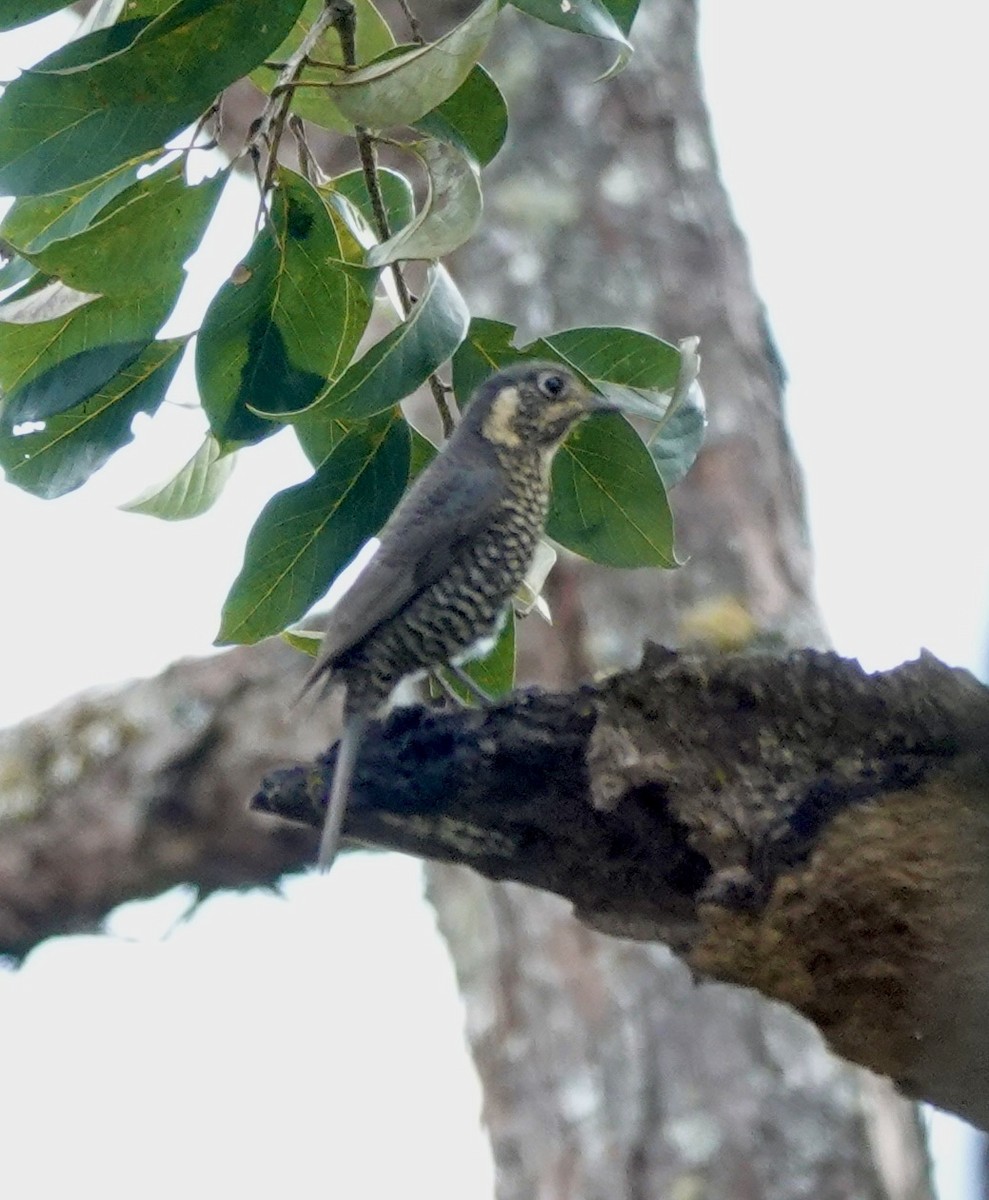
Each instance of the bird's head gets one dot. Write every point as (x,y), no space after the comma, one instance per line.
(534,406)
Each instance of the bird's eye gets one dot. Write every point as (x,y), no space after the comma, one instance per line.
(551,385)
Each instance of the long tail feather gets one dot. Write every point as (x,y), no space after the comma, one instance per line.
(350,745)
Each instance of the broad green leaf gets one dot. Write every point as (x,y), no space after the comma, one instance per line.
(20,12)
(608,501)
(67,383)
(396,193)
(315,104)
(423,452)
(593,17)
(398,90)
(118,92)
(27,348)
(403,360)
(289,319)
(193,491)
(140,240)
(71,446)
(613,355)
(34,221)
(495,672)
(486,348)
(306,534)
(449,216)
(474,118)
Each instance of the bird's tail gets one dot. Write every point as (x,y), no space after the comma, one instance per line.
(354,726)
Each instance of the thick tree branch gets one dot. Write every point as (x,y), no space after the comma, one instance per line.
(790,824)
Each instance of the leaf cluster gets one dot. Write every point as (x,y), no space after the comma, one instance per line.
(95,143)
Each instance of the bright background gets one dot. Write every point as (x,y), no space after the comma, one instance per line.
(311,1043)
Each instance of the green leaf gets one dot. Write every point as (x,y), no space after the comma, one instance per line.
(449,215)
(29,346)
(495,672)
(475,117)
(608,501)
(315,104)
(599,18)
(676,440)
(304,640)
(34,221)
(398,90)
(61,456)
(396,192)
(118,92)
(288,321)
(141,238)
(403,360)
(15,271)
(306,534)
(613,355)
(193,491)
(21,12)
(64,385)
(486,348)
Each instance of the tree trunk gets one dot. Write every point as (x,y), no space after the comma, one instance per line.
(607,1071)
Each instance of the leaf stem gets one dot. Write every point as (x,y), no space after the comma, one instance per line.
(344,21)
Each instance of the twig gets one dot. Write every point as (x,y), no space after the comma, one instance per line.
(271,124)
(345,23)
(413,22)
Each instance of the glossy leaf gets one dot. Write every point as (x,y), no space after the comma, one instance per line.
(617,356)
(396,193)
(71,446)
(398,90)
(593,17)
(403,360)
(316,104)
(140,240)
(20,12)
(475,117)
(289,319)
(608,501)
(449,216)
(30,347)
(306,534)
(67,383)
(487,348)
(304,640)
(193,491)
(118,92)
(34,221)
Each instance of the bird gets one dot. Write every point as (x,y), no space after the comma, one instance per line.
(436,591)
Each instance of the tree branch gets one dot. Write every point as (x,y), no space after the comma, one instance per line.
(791,824)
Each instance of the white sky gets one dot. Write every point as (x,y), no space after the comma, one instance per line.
(852,140)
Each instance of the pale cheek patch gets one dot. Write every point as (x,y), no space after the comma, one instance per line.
(499,424)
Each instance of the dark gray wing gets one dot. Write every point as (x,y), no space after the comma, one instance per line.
(443,511)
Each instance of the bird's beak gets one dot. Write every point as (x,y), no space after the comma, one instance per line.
(626,400)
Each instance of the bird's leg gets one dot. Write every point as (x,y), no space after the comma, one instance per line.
(354,725)
(475,689)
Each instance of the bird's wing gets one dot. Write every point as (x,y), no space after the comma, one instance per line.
(439,515)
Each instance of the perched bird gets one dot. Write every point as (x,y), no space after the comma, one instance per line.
(435,592)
